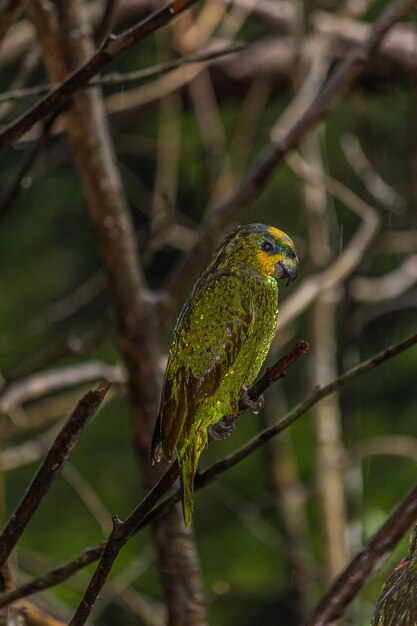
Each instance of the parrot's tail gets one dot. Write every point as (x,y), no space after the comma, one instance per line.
(187,494)
(188,461)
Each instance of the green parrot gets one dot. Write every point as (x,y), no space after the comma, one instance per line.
(221,339)
(397,604)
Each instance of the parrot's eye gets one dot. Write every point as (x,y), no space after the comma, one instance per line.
(267,246)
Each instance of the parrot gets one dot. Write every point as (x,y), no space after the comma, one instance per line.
(220,341)
(397,604)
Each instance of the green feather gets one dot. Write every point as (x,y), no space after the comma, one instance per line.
(220,342)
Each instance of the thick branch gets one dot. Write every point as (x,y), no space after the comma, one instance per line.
(122,531)
(205,478)
(64,34)
(330,92)
(50,468)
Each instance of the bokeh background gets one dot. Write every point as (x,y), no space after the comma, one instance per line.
(272,532)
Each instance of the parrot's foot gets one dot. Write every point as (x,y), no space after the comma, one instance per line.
(223,429)
(246,402)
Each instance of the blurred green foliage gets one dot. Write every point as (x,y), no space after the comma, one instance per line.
(47,250)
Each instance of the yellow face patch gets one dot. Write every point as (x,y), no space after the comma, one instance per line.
(268,261)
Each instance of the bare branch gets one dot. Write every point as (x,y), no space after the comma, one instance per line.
(50,468)
(291,417)
(364,169)
(351,256)
(106,22)
(386,287)
(27,67)
(115,79)
(55,576)
(122,531)
(390,445)
(397,242)
(205,478)
(34,617)
(370,559)
(43,383)
(66,41)
(112,46)
(332,89)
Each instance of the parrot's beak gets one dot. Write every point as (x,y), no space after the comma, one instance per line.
(288,268)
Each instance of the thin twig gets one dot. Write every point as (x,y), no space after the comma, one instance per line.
(370,559)
(115,79)
(42,383)
(112,46)
(50,468)
(321,392)
(388,286)
(205,478)
(119,536)
(122,531)
(274,154)
(106,22)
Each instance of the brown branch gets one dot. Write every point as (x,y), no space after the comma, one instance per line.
(351,256)
(112,46)
(388,286)
(404,446)
(122,531)
(56,576)
(330,92)
(205,478)
(32,616)
(370,559)
(321,392)
(115,79)
(43,383)
(66,41)
(106,22)
(50,468)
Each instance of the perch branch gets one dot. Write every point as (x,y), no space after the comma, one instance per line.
(50,468)
(122,531)
(205,478)
(321,392)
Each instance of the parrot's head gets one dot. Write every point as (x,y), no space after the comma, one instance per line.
(268,249)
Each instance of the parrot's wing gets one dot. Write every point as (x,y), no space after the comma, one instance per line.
(209,335)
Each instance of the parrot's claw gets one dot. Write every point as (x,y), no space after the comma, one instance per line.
(221,430)
(246,402)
